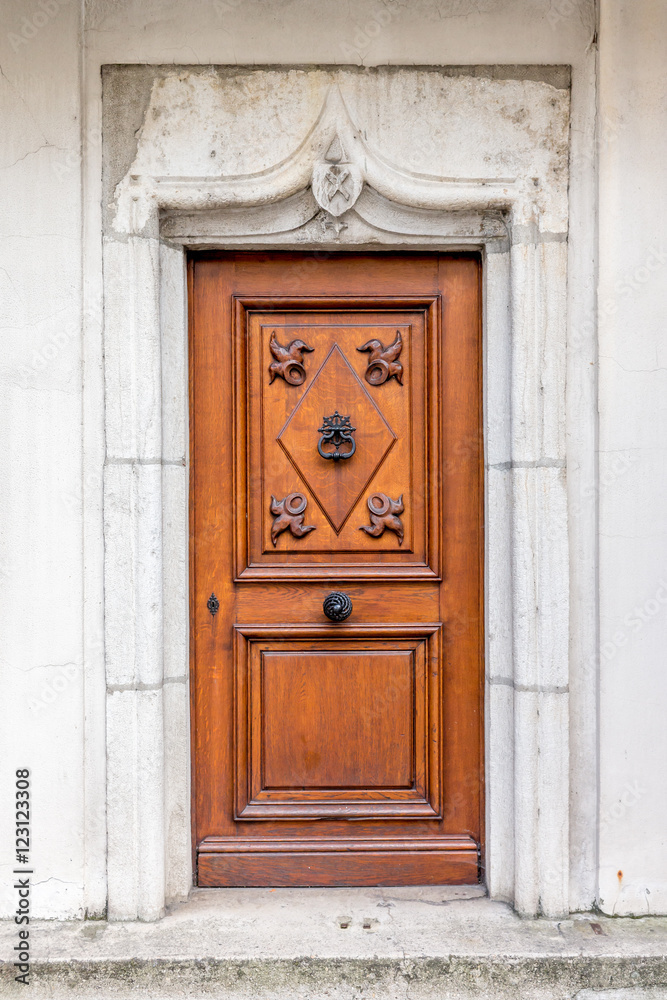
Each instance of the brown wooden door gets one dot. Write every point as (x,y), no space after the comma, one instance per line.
(336,448)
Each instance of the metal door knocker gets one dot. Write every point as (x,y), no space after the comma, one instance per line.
(336,430)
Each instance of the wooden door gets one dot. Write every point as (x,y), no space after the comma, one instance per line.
(336,450)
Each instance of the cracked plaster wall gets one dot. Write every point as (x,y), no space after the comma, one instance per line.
(632,334)
(52,438)
(41,553)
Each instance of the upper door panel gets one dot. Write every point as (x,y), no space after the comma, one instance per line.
(337,438)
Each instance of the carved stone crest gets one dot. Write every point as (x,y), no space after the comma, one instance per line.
(336,183)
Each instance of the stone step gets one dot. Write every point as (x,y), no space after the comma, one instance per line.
(343,944)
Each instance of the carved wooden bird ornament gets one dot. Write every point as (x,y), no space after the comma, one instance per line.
(384,514)
(289,361)
(383,362)
(288,513)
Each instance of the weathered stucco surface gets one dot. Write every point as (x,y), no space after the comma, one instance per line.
(232,122)
(43,654)
(632,301)
(51,563)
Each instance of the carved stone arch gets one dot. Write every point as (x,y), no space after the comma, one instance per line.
(332,137)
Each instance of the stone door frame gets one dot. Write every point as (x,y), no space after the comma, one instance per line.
(509,220)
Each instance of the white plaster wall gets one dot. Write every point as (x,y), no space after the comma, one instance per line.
(45,615)
(447,32)
(633,456)
(42,651)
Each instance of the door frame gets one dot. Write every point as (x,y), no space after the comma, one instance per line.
(146,495)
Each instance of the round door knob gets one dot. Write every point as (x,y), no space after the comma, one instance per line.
(337,606)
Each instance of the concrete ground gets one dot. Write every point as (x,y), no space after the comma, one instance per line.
(344,944)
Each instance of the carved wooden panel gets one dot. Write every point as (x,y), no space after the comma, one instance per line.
(337,726)
(392,410)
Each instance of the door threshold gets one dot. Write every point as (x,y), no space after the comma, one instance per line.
(425,942)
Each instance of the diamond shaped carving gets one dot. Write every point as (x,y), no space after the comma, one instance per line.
(336,486)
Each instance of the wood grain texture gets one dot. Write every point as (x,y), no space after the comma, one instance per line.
(279,435)
(356,704)
(292,868)
(336,754)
